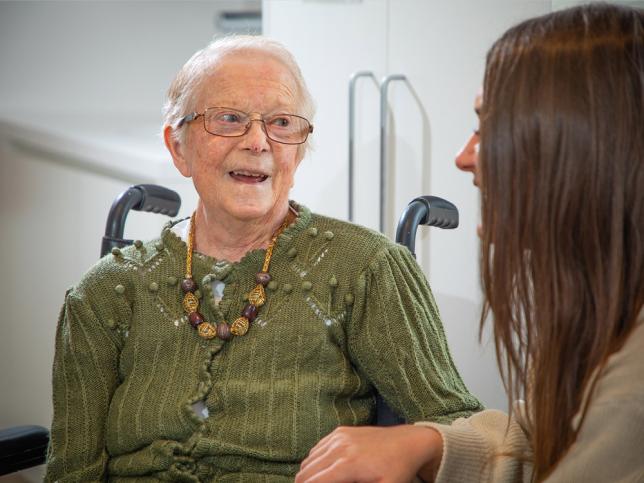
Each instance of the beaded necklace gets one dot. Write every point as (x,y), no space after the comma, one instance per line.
(256,297)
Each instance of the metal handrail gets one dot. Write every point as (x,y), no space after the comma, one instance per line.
(384,86)
(352,87)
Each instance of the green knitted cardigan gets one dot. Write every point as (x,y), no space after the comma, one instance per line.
(348,312)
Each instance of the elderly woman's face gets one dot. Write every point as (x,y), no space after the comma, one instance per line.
(247,177)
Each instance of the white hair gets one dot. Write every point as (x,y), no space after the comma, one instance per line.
(183,90)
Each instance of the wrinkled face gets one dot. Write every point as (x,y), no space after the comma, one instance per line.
(467,158)
(247,177)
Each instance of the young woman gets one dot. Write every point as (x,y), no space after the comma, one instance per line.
(561,172)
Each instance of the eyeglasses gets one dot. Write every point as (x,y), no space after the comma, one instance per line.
(227,122)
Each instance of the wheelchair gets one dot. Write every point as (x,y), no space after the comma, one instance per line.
(23,447)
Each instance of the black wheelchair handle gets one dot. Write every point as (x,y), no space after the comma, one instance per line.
(425,210)
(143,197)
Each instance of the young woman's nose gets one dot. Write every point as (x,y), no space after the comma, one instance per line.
(467,157)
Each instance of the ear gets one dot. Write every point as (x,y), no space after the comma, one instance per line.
(176,151)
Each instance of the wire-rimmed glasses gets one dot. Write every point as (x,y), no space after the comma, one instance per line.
(227,122)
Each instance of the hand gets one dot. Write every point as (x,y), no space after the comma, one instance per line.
(374,454)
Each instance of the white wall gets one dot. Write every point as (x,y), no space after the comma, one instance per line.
(99,56)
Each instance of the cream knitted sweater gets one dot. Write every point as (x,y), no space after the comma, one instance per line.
(609,446)
(348,312)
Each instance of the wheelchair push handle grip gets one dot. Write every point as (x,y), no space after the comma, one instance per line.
(143,197)
(157,199)
(425,210)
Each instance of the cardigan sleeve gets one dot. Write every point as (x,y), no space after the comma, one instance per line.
(85,376)
(397,340)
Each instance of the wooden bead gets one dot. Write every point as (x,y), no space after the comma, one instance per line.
(263,278)
(188,285)
(250,312)
(195,319)
(223,331)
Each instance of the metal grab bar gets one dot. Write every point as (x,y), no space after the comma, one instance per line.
(352,91)
(384,86)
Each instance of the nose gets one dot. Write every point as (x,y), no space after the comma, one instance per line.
(255,139)
(467,157)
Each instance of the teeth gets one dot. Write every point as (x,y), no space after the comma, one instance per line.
(249,173)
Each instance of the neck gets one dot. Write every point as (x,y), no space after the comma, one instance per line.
(228,238)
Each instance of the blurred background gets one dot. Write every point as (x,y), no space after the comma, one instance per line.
(81,89)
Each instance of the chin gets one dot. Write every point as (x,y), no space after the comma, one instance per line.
(250,210)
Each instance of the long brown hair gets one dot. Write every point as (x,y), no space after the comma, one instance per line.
(562,170)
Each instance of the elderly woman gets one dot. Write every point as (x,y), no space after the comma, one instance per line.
(227,348)
(561,172)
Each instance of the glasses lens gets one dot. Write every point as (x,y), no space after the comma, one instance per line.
(283,128)
(287,128)
(222,121)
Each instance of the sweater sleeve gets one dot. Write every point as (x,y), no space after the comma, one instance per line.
(397,340)
(85,376)
(490,447)
(487,446)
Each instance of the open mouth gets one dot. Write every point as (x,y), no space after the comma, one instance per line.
(248,176)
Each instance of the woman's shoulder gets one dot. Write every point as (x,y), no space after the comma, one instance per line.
(619,383)
(122,269)
(350,234)
(621,378)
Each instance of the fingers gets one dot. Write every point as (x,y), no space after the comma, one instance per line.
(318,458)
(336,472)
(322,461)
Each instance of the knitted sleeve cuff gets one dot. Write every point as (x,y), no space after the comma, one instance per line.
(465,452)
(487,445)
